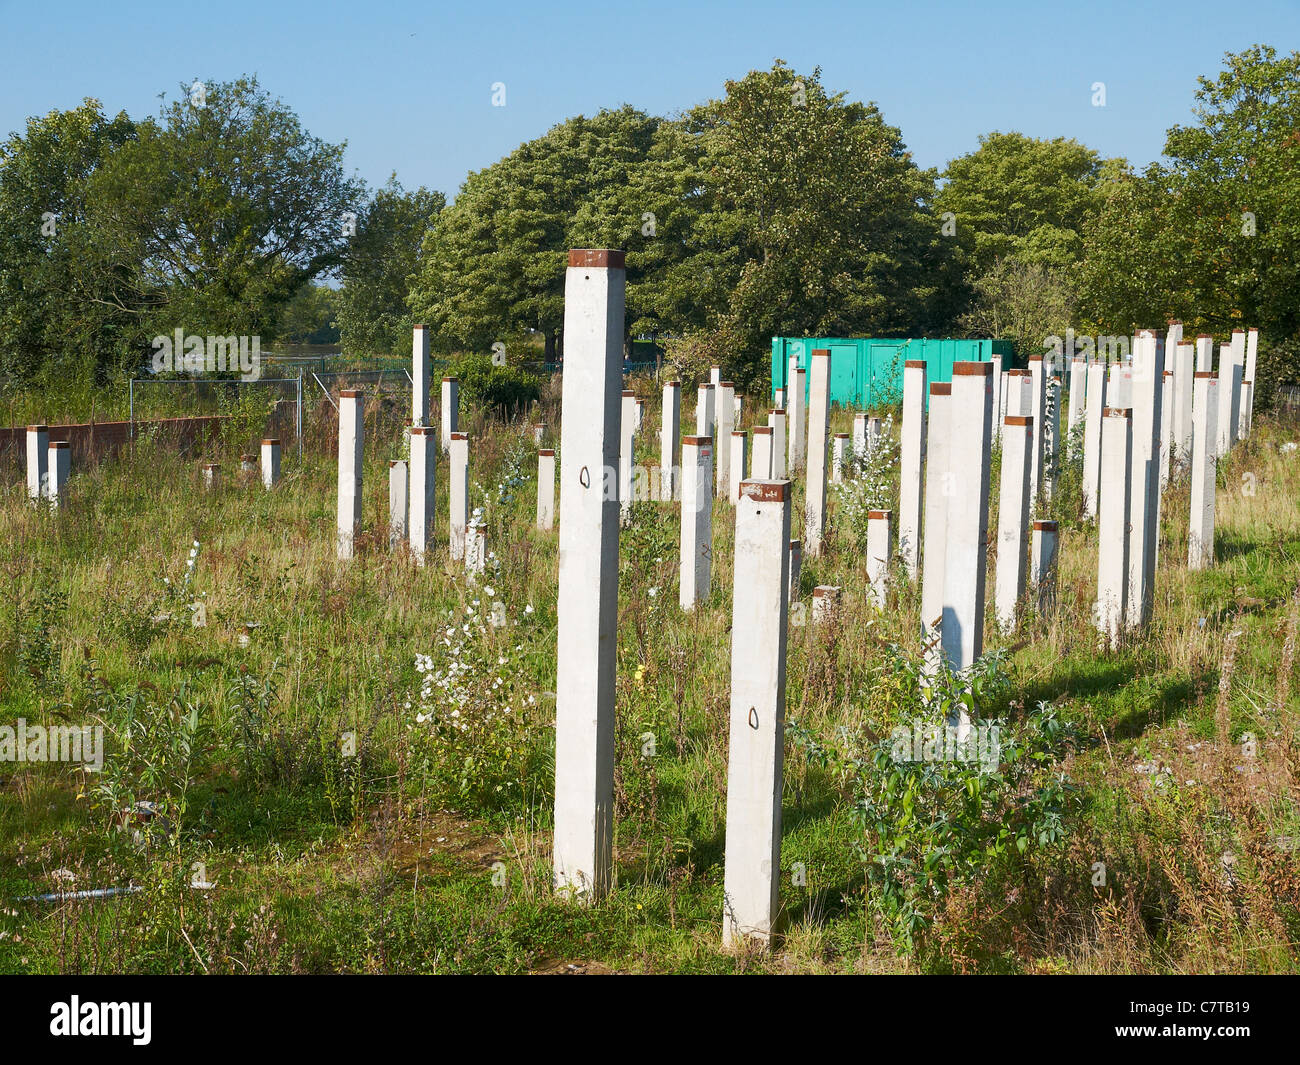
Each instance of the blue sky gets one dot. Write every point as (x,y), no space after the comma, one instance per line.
(409,85)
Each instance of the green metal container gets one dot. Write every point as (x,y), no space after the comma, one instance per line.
(866,372)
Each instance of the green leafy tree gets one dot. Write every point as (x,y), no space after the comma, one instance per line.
(494,264)
(380,263)
(46,328)
(1210,237)
(214,216)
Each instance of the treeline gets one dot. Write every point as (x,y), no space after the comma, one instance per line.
(780,208)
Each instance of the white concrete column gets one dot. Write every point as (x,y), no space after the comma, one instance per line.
(59,464)
(247,463)
(211,476)
(704,412)
(1204,353)
(760,602)
(859,439)
(966,555)
(1184,363)
(911,459)
(420,377)
(475,550)
(1144,485)
(1229,383)
(1052,449)
(587,606)
(38,457)
(1013,518)
(1038,401)
(1005,386)
(270,462)
(397,502)
(715,377)
(1042,564)
(450,412)
(640,416)
(760,463)
(776,419)
(1205,413)
(796,402)
(458,495)
(424,460)
(539,430)
(726,419)
(1247,403)
(1078,392)
(546,489)
(839,457)
(880,548)
(351,440)
(996,360)
(1094,407)
(669,434)
(740,403)
(1248,375)
(1112,522)
(938,487)
(1020,395)
(825,603)
(1166,428)
(1119,388)
(796,567)
(778,396)
(626,453)
(697,520)
(1238,378)
(819,411)
(739,447)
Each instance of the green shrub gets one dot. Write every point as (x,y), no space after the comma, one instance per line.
(504,390)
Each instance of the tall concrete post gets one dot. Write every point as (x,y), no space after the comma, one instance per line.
(796,567)
(1184,362)
(1013,518)
(796,402)
(966,555)
(1095,405)
(726,419)
(1038,399)
(1042,564)
(1078,392)
(697,520)
(911,459)
(420,377)
(938,488)
(587,606)
(546,489)
(38,457)
(776,419)
(424,461)
(859,439)
(397,502)
(704,412)
(839,457)
(1052,446)
(760,603)
(1204,353)
(1229,385)
(270,462)
(1112,522)
(669,434)
(880,549)
(626,454)
(715,377)
(997,395)
(211,476)
(760,463)
(351,440)
(458,495)
(1144,484)
(450,413)
(1166,427)
(819,411)
(1205,413)
(739,449)
(59,463)
(1248,375)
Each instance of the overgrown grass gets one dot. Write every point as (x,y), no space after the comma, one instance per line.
(428,848)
